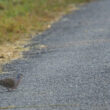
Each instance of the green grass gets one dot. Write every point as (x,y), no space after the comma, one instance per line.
(18,18)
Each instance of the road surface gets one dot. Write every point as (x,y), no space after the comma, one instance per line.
(73,71)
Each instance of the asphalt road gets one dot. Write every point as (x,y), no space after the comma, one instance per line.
(73,72)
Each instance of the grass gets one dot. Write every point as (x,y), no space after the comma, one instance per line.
(18,17)
(21,18)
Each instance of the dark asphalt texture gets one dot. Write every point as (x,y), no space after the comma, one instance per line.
(73,73)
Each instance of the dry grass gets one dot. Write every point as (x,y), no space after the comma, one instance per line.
(21,18)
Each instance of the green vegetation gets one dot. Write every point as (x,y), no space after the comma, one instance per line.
(19,18)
